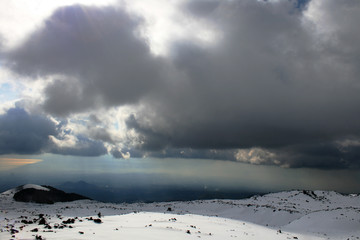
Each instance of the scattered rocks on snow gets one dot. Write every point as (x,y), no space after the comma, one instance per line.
(26,221)
(69,221)
(38,237)
(13,231)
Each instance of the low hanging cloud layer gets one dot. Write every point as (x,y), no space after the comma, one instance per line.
(24,133)
(280,85)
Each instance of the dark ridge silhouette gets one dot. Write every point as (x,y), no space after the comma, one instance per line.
(48,197)
(152,193)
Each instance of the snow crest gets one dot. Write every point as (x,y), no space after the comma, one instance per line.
(34,186)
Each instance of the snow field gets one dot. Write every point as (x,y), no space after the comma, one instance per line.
(286,215)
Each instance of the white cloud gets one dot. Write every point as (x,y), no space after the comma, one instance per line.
(18,18)
(67,141)
(166,22)
(256,156)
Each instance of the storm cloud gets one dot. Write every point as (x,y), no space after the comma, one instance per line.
(95,56)
(22,133)
(278,85)
(280,80)
(25,133)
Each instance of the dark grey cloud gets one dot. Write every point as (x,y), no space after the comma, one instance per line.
(116,153)
(201,8)
(321,155)
(275,81)
(302,4)
(98,55)
(24,133)
(101,134)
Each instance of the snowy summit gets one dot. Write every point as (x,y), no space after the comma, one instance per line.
(284,215)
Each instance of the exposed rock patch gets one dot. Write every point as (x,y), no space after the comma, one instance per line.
(47,197)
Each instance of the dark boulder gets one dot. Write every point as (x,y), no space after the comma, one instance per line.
(42,221)
(69,221)
(97,220)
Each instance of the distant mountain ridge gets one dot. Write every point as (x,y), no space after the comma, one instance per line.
(151,193)
(43,194)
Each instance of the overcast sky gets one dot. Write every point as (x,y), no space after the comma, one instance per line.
(272,82)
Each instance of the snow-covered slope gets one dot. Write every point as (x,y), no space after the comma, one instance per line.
(11,192)
(284,215)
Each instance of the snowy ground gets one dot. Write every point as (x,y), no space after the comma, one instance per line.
(284,215)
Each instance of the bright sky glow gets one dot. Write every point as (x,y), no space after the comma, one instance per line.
(165,23)
(25,16)
(10,163)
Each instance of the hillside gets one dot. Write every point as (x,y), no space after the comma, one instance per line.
(284,215)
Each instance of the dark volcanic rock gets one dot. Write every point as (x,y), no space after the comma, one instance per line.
(42,221)
(97,220)
(49,197)
(27,222)
(69,221)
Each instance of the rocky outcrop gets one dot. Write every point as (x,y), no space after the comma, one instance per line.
(51,196)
